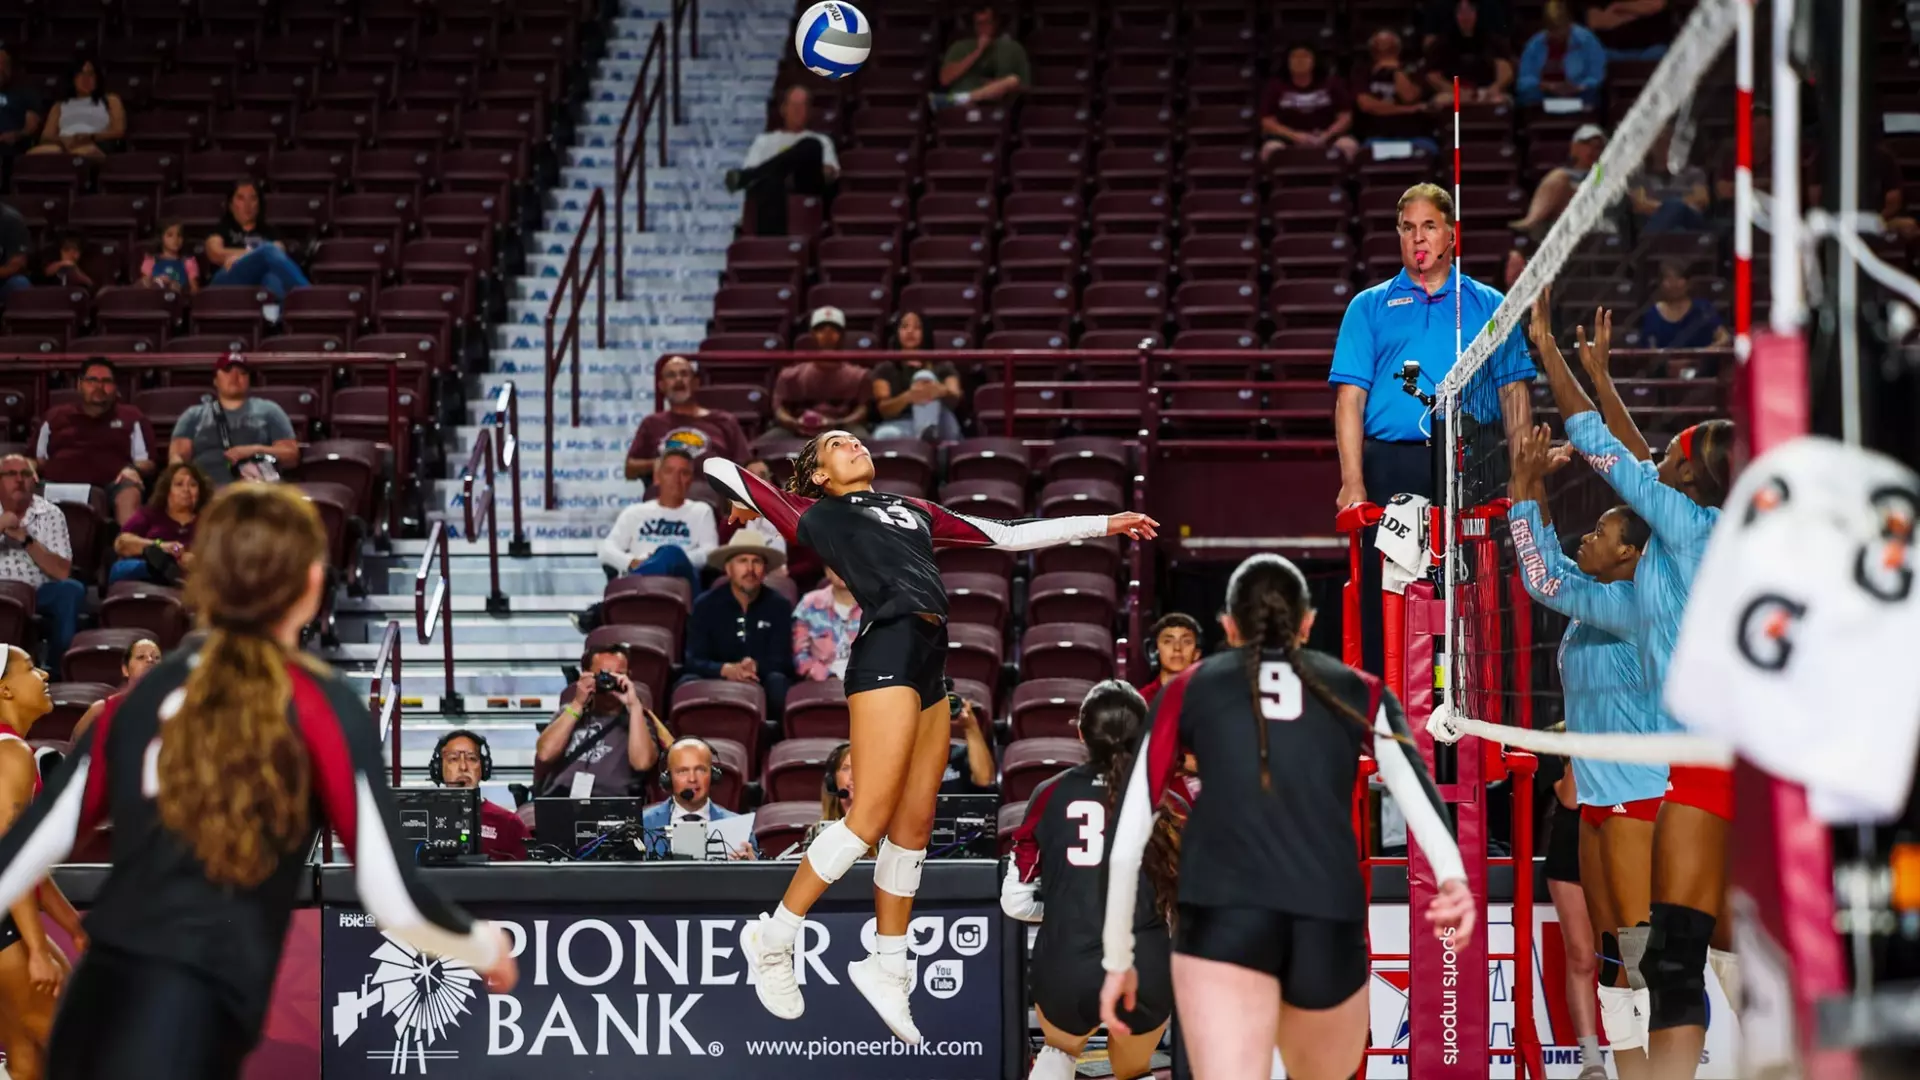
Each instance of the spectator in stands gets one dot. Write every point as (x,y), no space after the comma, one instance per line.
(247,250)
(1473,52)
(689,776)
(669,535)
(89,116)
(65,268)
(970,766)
(1393,107)
(820,393)
(234,435)
(683,424)
(836,796)
(825,622)
(35,548)
(15,242)
(913,395)
(1556,189)
(155,543)
(1665,200)
(141,657)
(1176,647)
(1308,106)
(1437,18)
(789,158)
(20,114)
(1563,60)
(169,265)
(1380,430)
(742,631)
(990,67)
(1677,319)
(463,760)
(604,734)
(98,440)
(1632,29)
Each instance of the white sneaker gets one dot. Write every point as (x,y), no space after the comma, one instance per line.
(772,972)
(887,994)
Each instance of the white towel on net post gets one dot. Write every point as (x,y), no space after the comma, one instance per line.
(1402,539)
(1798,644)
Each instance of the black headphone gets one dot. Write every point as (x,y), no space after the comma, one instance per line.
(835,759)
(479,742)
(666,773)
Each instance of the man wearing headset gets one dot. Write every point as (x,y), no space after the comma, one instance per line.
(1176,647)
(689,780)
(463,759)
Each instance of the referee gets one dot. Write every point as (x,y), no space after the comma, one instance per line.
(1385,433)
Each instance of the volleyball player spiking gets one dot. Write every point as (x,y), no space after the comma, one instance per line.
(1270,938)
(1057,877)
(214,815)
(1679,498)
(882,545)
(1604,690)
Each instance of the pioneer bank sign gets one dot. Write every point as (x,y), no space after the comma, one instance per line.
(598,991)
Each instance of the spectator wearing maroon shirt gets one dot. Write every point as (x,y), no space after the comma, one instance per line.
(463,760)
(98,441)
(1632,29)
(1474,53)
(1393,108)
(683,424)
(820,393)
(1176,647)
(164,527)
(1307,107)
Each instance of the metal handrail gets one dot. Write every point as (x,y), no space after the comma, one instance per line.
(506,435)
(646,97)
(685,13)
(439,614)
(574,279)
(483,461)
(385,704)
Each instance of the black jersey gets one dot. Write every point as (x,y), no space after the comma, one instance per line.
(157,901)
(882,544)
(1292,848)
(1059,858)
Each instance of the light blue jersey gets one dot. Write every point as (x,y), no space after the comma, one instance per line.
(1681,529)
(1600,670)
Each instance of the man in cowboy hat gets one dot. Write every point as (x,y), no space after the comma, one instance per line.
(740,630)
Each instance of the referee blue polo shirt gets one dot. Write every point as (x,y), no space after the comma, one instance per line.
(1396,321)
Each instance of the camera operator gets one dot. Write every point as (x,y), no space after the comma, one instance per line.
(602,731)
(970,764)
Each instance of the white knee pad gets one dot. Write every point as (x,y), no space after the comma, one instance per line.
(897,870)
(1624,1030)
(1643,1016)
(1726,968)
(834,851)
(1052,1064)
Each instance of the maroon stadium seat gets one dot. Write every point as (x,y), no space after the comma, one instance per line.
(1033,307)
(95,655)
(17,606)
(1072,597)
(777,827)
(817,710)
(1012,816)
(795,767)
(1099,555)
(393,171)
(260,130)
(980,599)
(975,561)
(1067,651)
(1042,214)
(1315,302)
(1028,763)
(948,260)
(1219,168)
(1068,497)
(754,308)
(902,459)
(54,312)
(355,464)
(716,708)
(314,171)
(139,605)
(990,458)
(376,216)
(649,601)
(135,309)
(1124,257)
(336,310)
(71,700)
(989,498)
(1131,213)
(351,261)
(767,260)
(231,310)
(53,174)
(862,260)
(974,652)
(149,174)
(1047,260)
(649,649)
(1218,305)
(1124,305)
(1047,169)
(1047,708)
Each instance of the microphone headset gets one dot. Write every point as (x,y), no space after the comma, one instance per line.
(479,743)
(666,771)
(830,776)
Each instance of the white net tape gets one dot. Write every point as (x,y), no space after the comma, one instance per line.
(1671,88)
(1448,726)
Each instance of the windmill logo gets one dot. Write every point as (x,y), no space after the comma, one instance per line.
(424,996)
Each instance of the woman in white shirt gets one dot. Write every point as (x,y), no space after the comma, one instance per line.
(88,117)
(668,535)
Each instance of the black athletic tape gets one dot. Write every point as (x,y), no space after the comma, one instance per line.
(1609,958)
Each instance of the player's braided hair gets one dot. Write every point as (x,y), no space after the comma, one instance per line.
(1113,719)
(1712,462)
(801,482)
(1268,599)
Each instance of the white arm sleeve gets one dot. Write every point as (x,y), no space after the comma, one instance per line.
(1126,850)
(1417,800)
(1037,532)
(1020,899)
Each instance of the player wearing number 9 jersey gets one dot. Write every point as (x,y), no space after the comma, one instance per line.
(1057,876)
(1270,937)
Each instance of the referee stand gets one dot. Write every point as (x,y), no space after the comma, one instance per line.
(1449,990)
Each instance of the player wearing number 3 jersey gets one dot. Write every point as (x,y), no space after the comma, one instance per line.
(882,546)
(1057,876)
(1270,932)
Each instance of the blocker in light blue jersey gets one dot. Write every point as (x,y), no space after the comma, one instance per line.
(1681,529)
(1398,320)
(1600,669)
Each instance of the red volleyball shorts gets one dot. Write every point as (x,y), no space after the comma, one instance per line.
(1704,787)
(1638,810)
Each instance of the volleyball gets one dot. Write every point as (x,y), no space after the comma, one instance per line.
(833,39)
